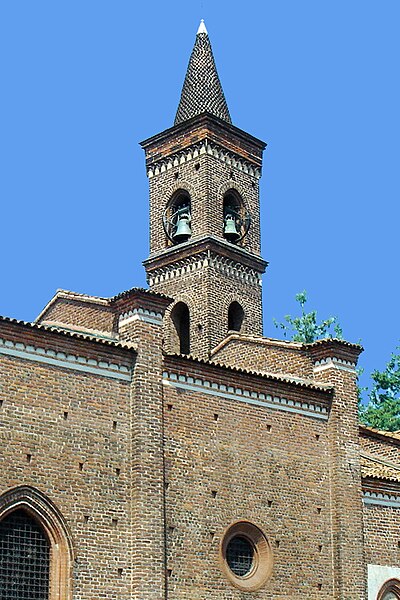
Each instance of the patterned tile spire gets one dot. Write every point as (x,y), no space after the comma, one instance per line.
(202,90)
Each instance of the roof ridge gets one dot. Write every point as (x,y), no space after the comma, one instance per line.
(379,460)
(70,333)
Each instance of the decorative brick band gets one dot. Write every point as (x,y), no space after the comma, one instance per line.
(197,150)
(335,363)
(141,314)
(204,259)
(249,397)
(381,499)
(65,361)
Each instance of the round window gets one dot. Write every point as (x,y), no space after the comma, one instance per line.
(246,556)
(240,555)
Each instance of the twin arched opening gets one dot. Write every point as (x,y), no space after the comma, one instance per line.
(177,217)
(180,317)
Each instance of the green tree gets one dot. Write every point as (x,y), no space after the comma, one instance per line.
(305,328)
(383,408)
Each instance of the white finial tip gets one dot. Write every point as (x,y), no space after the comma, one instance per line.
(202,28)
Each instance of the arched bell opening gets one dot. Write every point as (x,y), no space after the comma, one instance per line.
(180,317)
(177,218)
(236,218)
(235,316)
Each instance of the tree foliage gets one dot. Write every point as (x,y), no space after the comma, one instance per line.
(305,328)
(383,408)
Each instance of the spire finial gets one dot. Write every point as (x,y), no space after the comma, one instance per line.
(202,28)
(202,90)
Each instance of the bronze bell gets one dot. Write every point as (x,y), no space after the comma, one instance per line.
(183,231)
(230,231)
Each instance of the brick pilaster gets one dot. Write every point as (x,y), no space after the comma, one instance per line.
(144,328)
(335,363)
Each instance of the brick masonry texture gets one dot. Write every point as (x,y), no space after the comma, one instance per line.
(63,420)
(149,456)
(263,354)
(82,314)
(381,445)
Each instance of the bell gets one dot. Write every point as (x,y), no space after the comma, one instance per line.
(230,231)
(183,231)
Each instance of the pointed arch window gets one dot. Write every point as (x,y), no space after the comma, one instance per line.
(235,316)
(390,590)
(181,320)
(24,558)
(35,548)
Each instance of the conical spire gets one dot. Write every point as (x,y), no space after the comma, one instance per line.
(202,90)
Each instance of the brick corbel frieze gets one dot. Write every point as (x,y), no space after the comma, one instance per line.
(333,353)
(216,378)
(52,341)
(381,492)
(141,301)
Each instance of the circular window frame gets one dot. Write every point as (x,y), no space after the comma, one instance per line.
(261,569)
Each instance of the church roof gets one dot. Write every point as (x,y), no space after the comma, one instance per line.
(378,468)
(70,333)
(202,90)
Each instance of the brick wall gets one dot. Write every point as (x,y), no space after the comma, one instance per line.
(67,433)
(228,460)
(80,314)
(263,354)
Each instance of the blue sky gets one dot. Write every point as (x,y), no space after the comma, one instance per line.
(84,82)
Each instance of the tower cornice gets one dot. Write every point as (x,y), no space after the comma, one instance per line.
(205,126)
(200,245)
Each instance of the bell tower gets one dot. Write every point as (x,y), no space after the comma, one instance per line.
(205,215)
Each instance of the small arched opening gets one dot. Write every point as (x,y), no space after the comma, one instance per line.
(177,218)
(235,316)
(181,320)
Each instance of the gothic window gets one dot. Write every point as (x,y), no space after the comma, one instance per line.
(36,553)
(390,590)
(235,316)
(236,219)
(177,218)
(24,558)
(181,321)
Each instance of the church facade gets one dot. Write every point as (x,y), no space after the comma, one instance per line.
(156,446)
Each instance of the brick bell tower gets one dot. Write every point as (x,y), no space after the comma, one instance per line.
(205,215)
